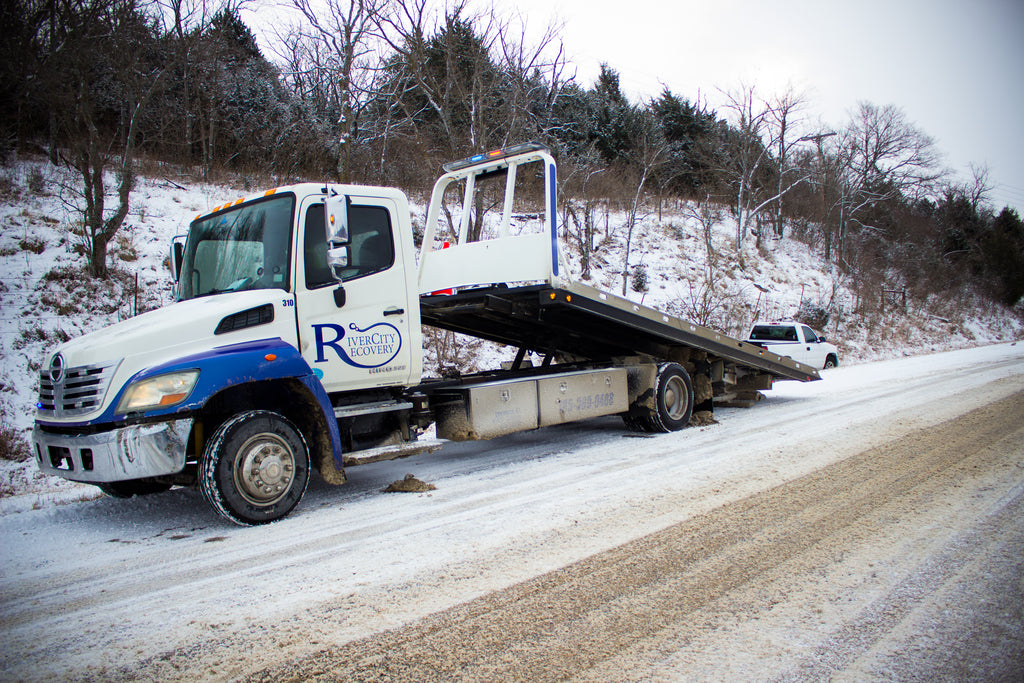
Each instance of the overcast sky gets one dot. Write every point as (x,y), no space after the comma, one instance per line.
(956,67)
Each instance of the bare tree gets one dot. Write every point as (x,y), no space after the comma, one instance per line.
(886,154)
(784,115)
(579,199)
(707,214)
(184,20)
(472,76)
(102,67)
(648,153)
(979,187)
(747,155)
(880,157)
(338,37)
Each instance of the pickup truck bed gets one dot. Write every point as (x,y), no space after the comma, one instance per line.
(583,321)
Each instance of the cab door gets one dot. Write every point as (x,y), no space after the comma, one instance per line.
(814,354)
(355,334)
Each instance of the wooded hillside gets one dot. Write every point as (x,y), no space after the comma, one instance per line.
(383,92)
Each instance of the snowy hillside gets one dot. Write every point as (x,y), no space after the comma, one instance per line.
(45,297)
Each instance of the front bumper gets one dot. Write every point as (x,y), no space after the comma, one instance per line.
(134,452)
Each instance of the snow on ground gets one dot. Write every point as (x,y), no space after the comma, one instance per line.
(44,298)
(88,587)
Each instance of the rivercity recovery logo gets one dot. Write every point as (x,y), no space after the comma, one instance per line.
(371,347)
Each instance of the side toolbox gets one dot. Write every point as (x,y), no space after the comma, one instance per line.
(496,408)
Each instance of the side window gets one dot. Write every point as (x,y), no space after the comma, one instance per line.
(314,247)
(371,245)
(809,335)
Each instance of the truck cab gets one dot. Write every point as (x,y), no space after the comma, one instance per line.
(795,340)
(266,328)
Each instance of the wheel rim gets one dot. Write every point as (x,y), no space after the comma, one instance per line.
(675,398)
(265,469)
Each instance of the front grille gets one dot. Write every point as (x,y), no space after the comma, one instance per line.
(79,390)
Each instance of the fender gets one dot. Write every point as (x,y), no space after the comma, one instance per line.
(227,366)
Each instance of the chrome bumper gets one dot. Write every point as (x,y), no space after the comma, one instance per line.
(132,452)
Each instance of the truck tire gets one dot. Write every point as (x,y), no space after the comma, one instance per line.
(831,362)
(633,423)
(255,468)
(673,399)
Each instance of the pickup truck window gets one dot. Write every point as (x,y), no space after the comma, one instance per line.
(809,335)
(773,333)
(244,248)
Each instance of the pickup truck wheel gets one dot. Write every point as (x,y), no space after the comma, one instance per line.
(673,393)
(255,468)
(831,362)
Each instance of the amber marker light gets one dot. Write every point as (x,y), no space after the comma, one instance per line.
(270,356)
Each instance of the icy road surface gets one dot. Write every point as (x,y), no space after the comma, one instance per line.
(162,588)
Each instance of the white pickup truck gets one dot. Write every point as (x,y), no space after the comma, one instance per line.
(795,340)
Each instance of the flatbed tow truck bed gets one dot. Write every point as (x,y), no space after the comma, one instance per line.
(582,321)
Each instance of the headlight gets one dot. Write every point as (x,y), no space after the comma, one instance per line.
(158,392)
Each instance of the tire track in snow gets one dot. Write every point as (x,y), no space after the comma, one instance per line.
(567,623)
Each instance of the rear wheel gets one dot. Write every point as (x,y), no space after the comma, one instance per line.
(673,394)
(665,407)
(255,468)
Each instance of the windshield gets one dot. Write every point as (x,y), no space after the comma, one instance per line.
(244,248)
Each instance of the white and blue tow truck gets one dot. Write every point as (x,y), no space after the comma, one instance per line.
(295,344)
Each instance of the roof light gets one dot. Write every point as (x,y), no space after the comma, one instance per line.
(495,155)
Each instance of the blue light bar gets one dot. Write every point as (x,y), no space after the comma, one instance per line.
(496,155)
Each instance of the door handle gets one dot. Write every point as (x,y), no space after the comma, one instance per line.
(395,311)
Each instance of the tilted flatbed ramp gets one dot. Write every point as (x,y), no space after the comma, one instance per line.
(583,321)
(558,315)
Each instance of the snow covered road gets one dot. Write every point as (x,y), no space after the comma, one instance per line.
(162,588)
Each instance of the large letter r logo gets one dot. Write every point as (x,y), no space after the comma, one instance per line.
(339,334)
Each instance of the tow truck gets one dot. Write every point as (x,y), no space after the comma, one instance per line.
(295,343)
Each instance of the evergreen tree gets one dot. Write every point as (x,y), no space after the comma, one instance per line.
(1003,249)
(690,133)
(615,120)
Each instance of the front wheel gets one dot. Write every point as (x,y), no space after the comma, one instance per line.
(255,468)
(831,362)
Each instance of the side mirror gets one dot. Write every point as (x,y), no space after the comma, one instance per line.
(337,259)
(822,339)
(177,255)
(336,218)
